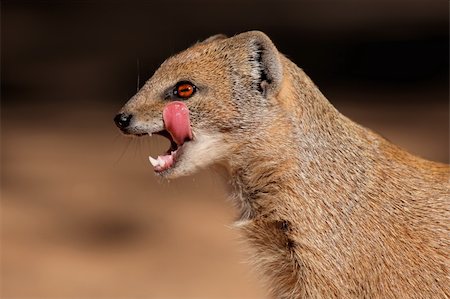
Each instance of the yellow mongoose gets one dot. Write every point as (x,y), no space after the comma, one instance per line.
(331,209)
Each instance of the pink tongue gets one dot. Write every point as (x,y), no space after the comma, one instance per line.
(176,120)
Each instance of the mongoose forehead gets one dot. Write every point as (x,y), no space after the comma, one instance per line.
(331,209)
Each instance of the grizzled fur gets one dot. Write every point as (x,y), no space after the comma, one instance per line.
(331,209)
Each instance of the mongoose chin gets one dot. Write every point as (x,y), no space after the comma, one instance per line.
(330,208)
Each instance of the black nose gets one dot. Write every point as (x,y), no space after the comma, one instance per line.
(122,120)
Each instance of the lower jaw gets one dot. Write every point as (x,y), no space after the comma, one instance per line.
(165,163)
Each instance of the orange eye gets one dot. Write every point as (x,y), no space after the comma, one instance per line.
(184,90)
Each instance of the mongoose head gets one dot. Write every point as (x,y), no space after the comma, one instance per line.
(209,101)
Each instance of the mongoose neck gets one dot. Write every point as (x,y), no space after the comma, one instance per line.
(304,146)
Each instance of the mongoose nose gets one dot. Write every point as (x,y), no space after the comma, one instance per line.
(122,120)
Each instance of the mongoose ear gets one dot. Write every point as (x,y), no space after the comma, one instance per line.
(265,60)
(214,38)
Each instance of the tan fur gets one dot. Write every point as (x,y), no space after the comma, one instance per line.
(331,209)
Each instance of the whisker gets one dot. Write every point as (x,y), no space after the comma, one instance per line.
(138,74)
(123,151)
(141,140)
(135,149)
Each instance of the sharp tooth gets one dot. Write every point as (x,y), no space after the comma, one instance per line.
(162,163)
(153,161)
(149,134)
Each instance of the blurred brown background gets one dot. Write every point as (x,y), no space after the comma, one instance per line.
(82,215)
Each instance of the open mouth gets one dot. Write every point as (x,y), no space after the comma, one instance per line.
(177,130)
(167,160)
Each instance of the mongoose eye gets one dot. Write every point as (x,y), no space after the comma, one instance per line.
(184,89)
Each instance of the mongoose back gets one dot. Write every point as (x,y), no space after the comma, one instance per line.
(330,208)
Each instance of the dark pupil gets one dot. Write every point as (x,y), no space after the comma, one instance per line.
(185,89)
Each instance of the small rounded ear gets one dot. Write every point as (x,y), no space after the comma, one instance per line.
(214,38)
(265,60)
